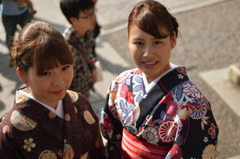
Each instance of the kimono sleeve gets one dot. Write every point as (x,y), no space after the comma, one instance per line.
(7,148)
(198,136)
(7,151)
(111,128)
(98,151)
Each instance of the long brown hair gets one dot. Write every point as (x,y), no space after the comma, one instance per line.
(41,46)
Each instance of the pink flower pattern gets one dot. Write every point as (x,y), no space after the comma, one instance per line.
(212,131)
(192,91)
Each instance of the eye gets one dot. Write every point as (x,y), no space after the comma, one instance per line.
(66,67)
(157,42)
(46,73)
(138,43)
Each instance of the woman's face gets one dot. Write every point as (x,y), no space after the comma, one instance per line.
(51,85)
(151,55)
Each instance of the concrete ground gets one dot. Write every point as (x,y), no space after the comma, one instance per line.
(208,44)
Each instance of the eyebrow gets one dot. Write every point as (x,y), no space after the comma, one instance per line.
(137,38)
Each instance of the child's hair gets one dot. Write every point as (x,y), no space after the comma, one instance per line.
(153,18)
(72,8)
(41,46)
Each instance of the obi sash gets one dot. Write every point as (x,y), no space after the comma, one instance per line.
(135,148)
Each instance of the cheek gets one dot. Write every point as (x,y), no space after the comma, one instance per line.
(133,50)
(38,85)
(69,76)
(135,54)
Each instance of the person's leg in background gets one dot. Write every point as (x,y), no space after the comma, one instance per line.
(25,18)
(10,26)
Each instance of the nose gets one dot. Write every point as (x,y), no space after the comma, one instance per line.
(57,81)
(148,52)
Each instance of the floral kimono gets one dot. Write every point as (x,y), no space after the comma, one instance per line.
(172,120)
(30,130)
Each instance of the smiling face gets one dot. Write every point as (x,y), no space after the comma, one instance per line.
(43,62)
(152,33)
(51,85)
(151,55)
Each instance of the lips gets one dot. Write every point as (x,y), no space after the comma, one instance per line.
(57,92)
(149,63)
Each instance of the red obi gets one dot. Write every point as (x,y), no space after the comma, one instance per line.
(135,148)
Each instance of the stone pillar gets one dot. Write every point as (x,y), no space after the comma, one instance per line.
(234,73)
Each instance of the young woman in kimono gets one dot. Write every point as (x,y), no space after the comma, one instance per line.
(47,120)
(155,111)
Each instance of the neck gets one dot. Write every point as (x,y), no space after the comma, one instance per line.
(50,104)
(80,31)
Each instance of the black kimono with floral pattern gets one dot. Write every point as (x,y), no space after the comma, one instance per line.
(29,130)
(173,113)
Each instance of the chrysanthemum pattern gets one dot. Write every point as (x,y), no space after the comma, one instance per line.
(150,135)
(192,91)
(167,131)
(199,110)
(209,152)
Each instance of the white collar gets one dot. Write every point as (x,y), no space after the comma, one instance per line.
(148,86)
(59,109)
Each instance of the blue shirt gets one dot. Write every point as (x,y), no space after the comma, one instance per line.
(12,8)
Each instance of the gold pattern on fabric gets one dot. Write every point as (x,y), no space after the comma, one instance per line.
(68,151)
(84,156)
(21,98)
(5,129)
(75,109)
(67,117)
(29,144)
(51,115)
(21,122)
(88,117)
(47,154)
(73,95)
(209,152)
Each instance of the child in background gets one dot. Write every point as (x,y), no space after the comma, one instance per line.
(80,36)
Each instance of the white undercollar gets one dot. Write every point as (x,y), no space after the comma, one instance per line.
(148,86)
(59,109)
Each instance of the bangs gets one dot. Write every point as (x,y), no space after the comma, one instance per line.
(51,54)
(150,24)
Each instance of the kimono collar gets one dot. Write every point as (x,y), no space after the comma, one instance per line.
(148,86)
(59,109)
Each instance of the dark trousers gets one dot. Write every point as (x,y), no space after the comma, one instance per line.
(10,25)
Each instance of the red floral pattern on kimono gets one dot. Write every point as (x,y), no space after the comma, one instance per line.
(173,113)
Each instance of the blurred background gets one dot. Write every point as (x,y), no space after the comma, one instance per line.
(208,44)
